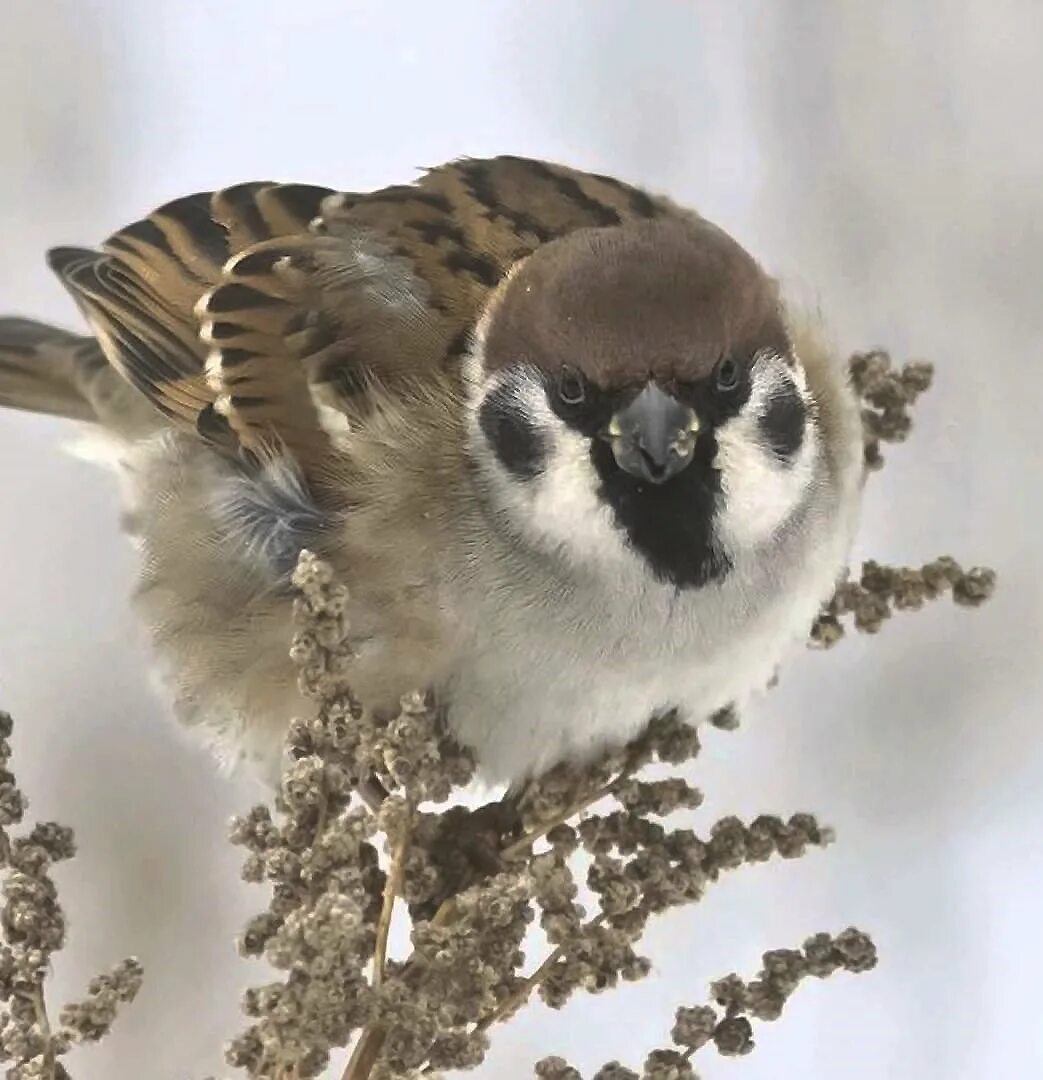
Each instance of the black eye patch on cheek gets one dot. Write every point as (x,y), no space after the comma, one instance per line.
(518,444)
(782,422)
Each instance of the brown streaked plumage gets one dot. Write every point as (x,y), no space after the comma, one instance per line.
(382,377)
(457,232)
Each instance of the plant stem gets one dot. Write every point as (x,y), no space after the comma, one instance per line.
(392,887)
(366,1052)
(371,1041)
(44,1024)
(519,846)
(522,994)
(368,1048)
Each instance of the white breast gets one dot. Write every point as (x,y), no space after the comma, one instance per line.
(551,672)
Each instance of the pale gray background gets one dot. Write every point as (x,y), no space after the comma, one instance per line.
(887,159)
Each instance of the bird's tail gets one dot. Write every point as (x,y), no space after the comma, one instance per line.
(47,370)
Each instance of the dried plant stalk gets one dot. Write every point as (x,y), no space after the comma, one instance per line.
(882,590)
(887,396)
(727,1026)
(34,929)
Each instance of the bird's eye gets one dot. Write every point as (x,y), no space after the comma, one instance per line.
(727,375)
(571,388)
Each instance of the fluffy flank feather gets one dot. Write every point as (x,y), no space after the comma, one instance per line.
(268,515)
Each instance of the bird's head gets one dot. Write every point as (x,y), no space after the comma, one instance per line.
(634,391)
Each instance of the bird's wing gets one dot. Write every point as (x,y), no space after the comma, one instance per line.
(305,322)
(140,291)
(387,286)
(241,313)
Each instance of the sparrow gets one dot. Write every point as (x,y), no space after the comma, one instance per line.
(574,455)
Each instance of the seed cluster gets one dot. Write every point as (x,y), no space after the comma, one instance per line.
(726,1024)
(882,590)
(33,925)
(324,925)
(887,396)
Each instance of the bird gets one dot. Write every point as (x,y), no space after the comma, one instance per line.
(575,455)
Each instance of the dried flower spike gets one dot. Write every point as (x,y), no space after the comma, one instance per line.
(33,924)
(883,590)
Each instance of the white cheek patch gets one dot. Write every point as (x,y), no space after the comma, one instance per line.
(558,509)
(566,510)
(759,493)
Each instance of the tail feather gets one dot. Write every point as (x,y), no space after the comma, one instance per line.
(47,370)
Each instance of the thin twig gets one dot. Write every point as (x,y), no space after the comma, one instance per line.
(519,846)
(44,1024)
(371,1041)
(392,887)
(523,993)
(366,1052)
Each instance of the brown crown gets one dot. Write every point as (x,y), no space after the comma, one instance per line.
(664,300)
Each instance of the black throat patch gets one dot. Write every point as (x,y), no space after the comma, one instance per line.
(670,524)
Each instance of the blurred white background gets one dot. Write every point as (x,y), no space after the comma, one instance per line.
(884,157)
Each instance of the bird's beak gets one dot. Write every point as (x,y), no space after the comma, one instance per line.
(653,438)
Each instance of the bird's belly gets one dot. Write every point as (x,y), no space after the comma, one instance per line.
(523,711)
(520,725)
(526,697)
